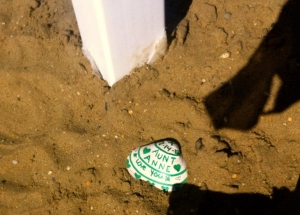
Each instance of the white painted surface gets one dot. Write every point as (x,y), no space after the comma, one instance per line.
(119,35)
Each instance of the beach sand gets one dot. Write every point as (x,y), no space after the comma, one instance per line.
(230,77)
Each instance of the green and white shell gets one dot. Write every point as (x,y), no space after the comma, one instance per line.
(160,163)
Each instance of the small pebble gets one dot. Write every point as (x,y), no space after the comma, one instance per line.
(15,162)
(78,93)
(49,172)
(227,15)
(234,176)
(130,112)
(68,168)
(225,55)
(290,119)
(199,145)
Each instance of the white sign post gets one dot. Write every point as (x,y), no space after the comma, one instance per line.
(119,35)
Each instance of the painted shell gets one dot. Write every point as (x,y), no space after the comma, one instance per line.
(160,163)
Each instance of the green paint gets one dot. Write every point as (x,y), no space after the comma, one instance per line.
(161,166)
(161,156)
(137,176)
(174,150)
(177,167)
(168,169)
(154,163)
(146,150)
(156,174)
(167,147)
(165,158)
(177,152)
(140,164)
(165,188)
(173,159)
(152,184)
(147,158)
(158,182)
(128,163)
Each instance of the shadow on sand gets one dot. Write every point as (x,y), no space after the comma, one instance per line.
(175,11)
(196,201)
(240,101)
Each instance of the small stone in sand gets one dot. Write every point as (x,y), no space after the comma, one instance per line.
(234,176)
(225,55)
(227,15)
(15,162)
(199,145)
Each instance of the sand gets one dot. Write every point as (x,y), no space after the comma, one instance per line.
(231,76)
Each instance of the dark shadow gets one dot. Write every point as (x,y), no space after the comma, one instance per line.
(238,103)
(192,200)
(175,11)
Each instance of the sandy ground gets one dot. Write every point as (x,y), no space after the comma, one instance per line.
(231,77)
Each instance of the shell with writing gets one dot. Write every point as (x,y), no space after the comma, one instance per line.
(160,163)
